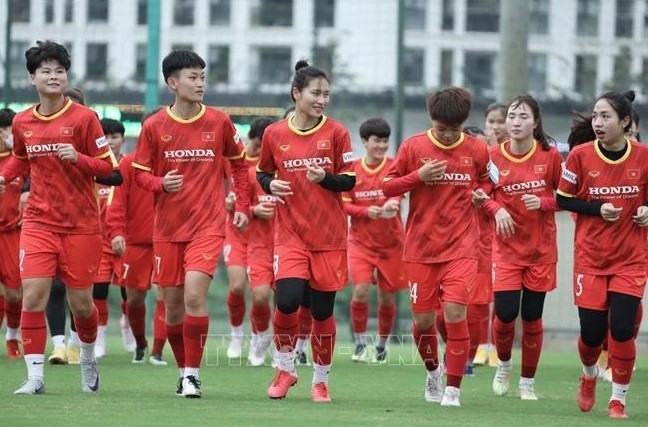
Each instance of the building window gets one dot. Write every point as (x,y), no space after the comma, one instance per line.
(624,18)
(142,12)
(415,14)
(49,11)
(644,76)
(539,17)
(182,46)
(96,61)
(218,64)
(275,65)
(20,11)
(219,12)
(272,13)
(413,67)
(447,17)
(447,59)
(140,62)
(323,58)
(68,11)
(97,10)
(587,17)
(17,50)
(538,73)
(324,16)
(478,73)
(482,15)
(622,78)
(585,83)
(183,12)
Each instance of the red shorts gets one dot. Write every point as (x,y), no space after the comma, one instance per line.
(326,270)
(260,270)
(110,268)
(482,291)
(74,258)
(9,269)
(429,284)
(511,277)
(591,291)
(173,259)
(235,249)
(388,269)
(137,267)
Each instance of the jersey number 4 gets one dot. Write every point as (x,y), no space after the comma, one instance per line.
(413,291)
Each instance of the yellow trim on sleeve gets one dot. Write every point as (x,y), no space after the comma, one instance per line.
(347,199)
(562,193)
(239,156)
(141,167)
(111,195)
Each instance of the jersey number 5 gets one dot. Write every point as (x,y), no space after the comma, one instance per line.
(578,288)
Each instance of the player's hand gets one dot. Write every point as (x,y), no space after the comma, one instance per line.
(491,138)
(263,210)
(610,213)
(118,244)
(68,153)
(504,224)
(432,170)
(172,181)
(230,200)
(374,212)
(315,173)
(240,220)
(280,189)
(23,200)
(641,218)
(2,184)
(531,202)
(479,196)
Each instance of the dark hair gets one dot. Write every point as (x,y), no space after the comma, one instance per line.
(46,51)
(145,116)
(636,119)
(450,106)
(377,127)
(545,140)
(112,126)
(473,131)
(494,107)
(581,130)
(180,59)
(6,117)
(289,110)
(76,95)
(258,127)
(304,73)
(621,103)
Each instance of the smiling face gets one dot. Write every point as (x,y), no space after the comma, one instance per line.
(50,79)
(376,148)
(520,122)
(606,123)
(188,84)
(313,99)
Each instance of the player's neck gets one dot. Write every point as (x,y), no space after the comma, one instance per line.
(50,105)
(521,146)
(304,122)
(185,110)
(618,145)
(372,161)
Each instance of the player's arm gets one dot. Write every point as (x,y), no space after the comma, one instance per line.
(550,204)
(14,168)
(114,179)
(353,210)
(240,174)
(399,178)
(568,188)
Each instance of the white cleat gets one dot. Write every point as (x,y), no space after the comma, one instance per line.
(100,344)
(32,386)
(128,339)
(258,348)
(191,387)
(451,397)
(527,390)
(234,347)
(434,385)
(89,376)
(502,379)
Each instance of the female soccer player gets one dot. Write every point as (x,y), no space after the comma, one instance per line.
(306,161)
(605,183)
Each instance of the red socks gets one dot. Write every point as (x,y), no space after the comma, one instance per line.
(159,328)
(13,314)
(478,317)
(87,328)
(137,319)
(386,317)
(588,355)
(260,317)
(285,329)
(33,332)
(102,309)
(2,309)
(236,308)
(622,359)
(195,335)
(427,345)
(359,316)
(439,323)
(305,322)
(503,335)
(323,341)
(532,336)
(456,353)
(176,341)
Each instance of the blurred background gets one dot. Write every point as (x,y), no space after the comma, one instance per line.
(384,57)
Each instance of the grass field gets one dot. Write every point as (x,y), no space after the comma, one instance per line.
(363,395)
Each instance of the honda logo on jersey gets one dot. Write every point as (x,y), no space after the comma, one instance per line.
(292,165)
(193,155)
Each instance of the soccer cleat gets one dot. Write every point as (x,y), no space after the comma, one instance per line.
(157,360)
(586,393)
(469,370)
(492,358)
(616,409)
(89,376)
(179,387)
(128,339)
(13,349)
(434,386)
(380,356)
(58,356)
(606,374)
(258,347)
(301,358)
(191,387)
(281,383)
(31,386)
(234,347)
(481,357)
(320,393)
(72,354)
(361,354)
(451,397)
(100,344)
(502,379)
(527,391)
(140,355)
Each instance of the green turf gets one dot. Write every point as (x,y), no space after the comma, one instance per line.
(364,395)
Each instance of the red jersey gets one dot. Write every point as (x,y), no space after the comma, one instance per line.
(260,231)
(602,247)
(62,196)
(10,199)
(231,231)
(313,217)
(486,227)
(196,148)
(441,224)
(536,173)
(373,234)
(129,212)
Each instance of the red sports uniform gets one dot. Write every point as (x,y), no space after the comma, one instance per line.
(10,229)
(528,258)
(482,293)
(374,244)
(61,230)
(110,266)
(301,251)
(600,267)
(260,246)
(189,224)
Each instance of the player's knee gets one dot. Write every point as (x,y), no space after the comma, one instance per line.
(100,291)
(322,305)
(622,332)
(261,296)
